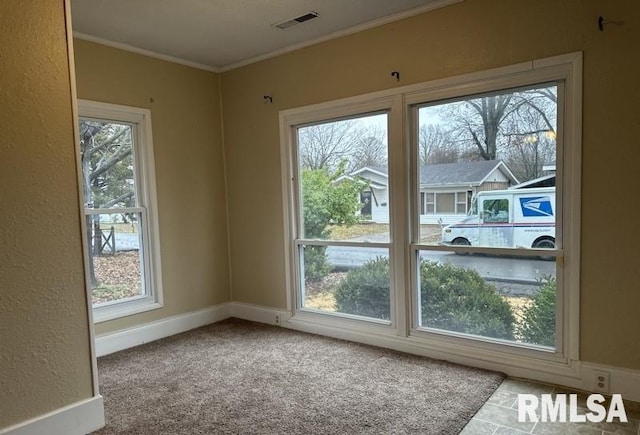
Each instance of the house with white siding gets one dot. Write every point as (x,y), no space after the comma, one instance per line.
(446,190)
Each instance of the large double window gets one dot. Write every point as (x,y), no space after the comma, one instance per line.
(444,213)
(116,160)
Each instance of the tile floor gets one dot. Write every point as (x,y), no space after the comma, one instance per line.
(499,416)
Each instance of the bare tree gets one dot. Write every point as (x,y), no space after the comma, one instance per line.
(527,155)
(436,145)
(107,164)
(326,145)
(519,127)
(107,168)
(530,135)
(370,149)
(478,121)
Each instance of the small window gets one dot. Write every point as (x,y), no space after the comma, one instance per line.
(461,203)
(116,160)
(495,210)
(445,203)
(430,203)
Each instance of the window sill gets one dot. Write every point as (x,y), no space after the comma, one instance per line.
(124,309)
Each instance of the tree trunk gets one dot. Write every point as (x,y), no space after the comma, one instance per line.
(92,271)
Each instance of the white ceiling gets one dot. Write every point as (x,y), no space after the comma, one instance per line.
(222,34)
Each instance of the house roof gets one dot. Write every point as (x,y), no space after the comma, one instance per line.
(461,173)
(545,181)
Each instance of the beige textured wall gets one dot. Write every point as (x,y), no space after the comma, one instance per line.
(185,113)
(470,36)
(45,361)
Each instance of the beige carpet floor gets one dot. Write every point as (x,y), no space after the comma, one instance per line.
(238,377)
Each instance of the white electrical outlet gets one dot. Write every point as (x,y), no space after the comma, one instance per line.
(601,381)
(277,319)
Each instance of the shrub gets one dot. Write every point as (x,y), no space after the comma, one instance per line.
(452,298)
(316,263)
(458,299)
(538,324)
(365,290)
(326,201)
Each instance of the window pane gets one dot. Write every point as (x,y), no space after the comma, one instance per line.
(495,297)
(345,183)
(444,203)
(499,147)
(495,210)
(348,280)
(115,257)
(107,164)
(461,202)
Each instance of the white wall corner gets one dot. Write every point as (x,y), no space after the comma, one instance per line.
(127,338)
(76,419)
(256,313)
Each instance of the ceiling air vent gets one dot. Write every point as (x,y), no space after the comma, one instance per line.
(301,19)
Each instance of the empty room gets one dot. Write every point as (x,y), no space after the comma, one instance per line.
(319,216)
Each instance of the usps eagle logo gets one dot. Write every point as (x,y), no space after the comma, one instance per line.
(536,206)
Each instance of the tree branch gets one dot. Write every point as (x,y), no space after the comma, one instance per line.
(527,133)
(118,156)
(117,200)
(483,152)
(106,143)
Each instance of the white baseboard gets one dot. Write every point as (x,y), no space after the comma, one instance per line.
(258,313)
(79,418)
(578,375)
(124,339)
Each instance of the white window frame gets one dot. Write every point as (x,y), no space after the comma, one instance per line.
(145,182)
(463,201)
(565,69)
(405,210)
(427,203)
(457,194)
(289,126)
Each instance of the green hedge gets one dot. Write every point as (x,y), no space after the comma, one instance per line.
(458,299)
(316,263)
(365,290)
(452,298)
(539,319)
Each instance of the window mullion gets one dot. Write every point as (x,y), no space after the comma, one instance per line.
(119,210)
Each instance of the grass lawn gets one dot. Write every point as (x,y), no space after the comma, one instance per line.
(344,232)
(118,277)
(120,227)
(429,234)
